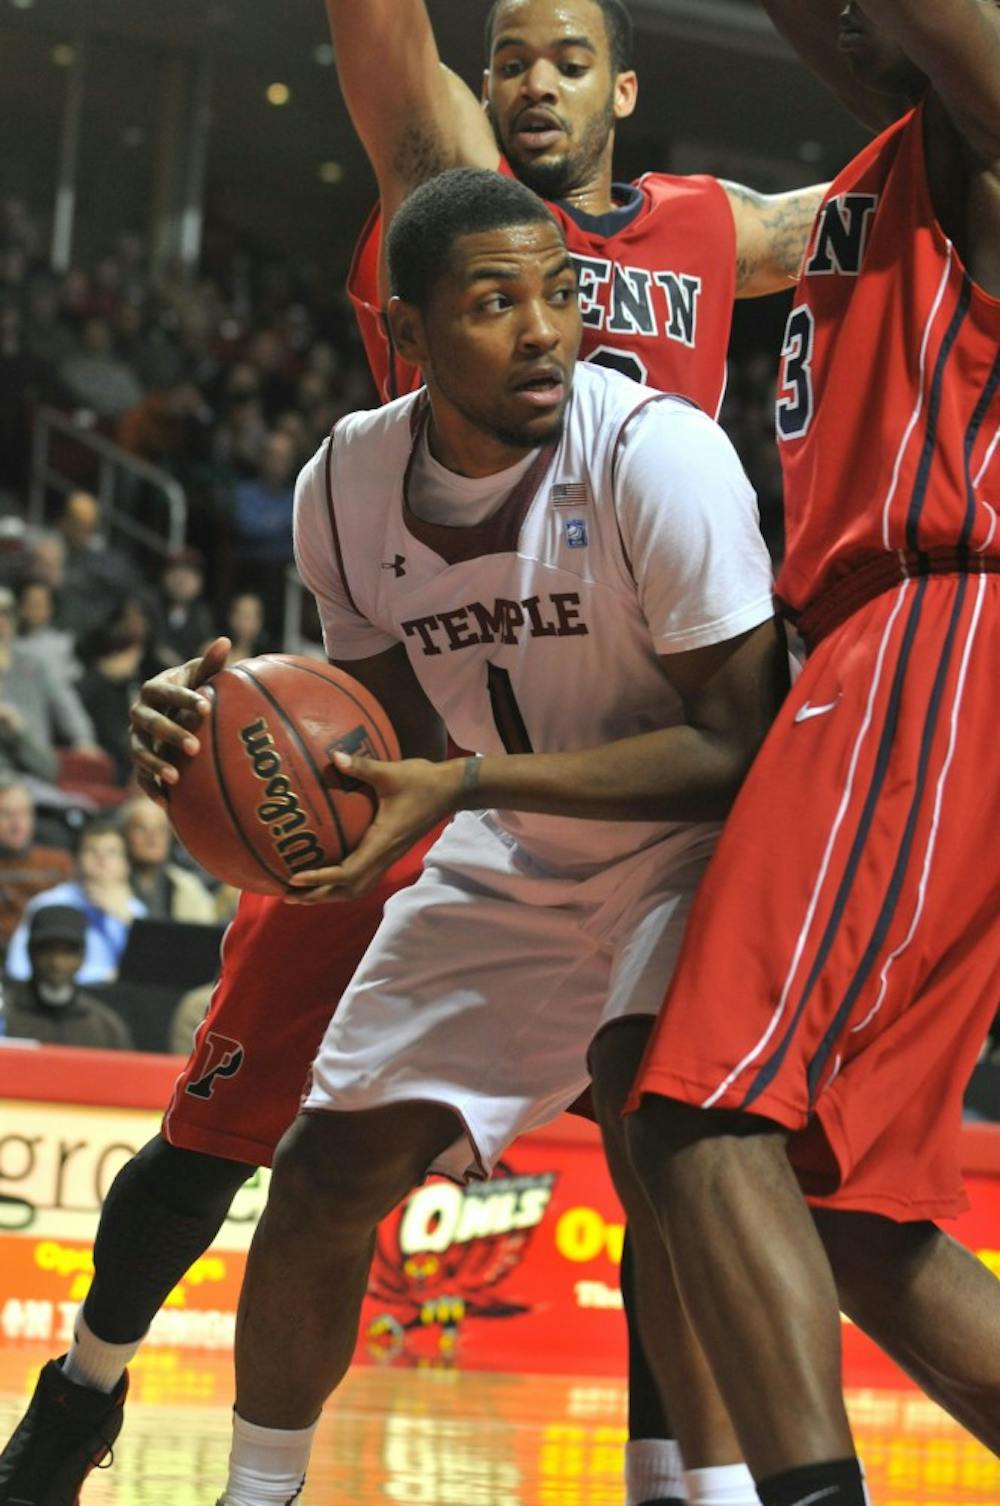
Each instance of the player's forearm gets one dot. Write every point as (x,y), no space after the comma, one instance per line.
(677,774)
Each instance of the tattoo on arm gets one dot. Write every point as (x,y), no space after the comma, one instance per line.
(775,234)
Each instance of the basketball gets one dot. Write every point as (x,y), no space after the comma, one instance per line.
(262,800)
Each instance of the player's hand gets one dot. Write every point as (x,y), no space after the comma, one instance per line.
(414,796)
(166,715)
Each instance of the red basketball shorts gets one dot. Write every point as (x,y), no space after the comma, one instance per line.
(283,970)
(842,962)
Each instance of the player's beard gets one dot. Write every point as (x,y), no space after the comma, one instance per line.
(556,177)
(515,436)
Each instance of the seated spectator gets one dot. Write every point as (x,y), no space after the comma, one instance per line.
(37,709)
(96,577)
(26,866)
(168,891)
(245,626)
(262,524)
(120,659)
(95,378)
(37,633)
(187,1017)
(48,1005)
(182,619)
(102,891)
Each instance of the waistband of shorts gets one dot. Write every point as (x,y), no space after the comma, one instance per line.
(881,573)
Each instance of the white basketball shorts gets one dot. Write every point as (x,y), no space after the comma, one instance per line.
(488,979)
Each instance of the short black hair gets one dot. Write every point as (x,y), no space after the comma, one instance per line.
(617,23)
(459,202)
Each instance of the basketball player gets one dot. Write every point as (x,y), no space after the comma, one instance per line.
(618,665)
(836,1030)
(661,263)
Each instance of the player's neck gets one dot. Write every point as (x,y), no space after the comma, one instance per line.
(467,451)
(593,196)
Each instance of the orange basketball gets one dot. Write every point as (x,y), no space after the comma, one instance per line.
(262,800)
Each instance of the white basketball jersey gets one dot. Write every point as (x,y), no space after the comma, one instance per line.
(540,629)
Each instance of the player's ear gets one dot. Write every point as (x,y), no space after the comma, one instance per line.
(626,94)
(407,325)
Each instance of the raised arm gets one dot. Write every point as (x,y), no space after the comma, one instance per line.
(414,116)
(810,27)
(957,44)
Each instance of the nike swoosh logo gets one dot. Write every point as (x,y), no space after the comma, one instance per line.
(806,710)
(819,1495)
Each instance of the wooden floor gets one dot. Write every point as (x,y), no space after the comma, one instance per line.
(448,1438)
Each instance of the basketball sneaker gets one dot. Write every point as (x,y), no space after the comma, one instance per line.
(67,1431)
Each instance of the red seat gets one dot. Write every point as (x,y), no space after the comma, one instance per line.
(90,774)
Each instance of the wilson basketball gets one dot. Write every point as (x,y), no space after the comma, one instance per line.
(262,799)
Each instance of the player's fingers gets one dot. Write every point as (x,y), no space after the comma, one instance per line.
(151,787)
(150,728)
(211,662)
(149,764)
(369,771)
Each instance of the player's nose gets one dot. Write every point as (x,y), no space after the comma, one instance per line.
(540,81)
(539,329)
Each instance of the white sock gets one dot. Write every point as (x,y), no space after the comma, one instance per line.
(654,1471)
(723,1485)
(267,1466)
(93,1362)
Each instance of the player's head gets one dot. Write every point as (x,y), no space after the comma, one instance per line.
(484,301)
(875,59)
(558,78)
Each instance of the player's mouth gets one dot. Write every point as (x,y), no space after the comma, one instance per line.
(538,130)
(851,32)
(544,388)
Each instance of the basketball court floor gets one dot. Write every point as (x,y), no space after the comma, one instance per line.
(443,1437)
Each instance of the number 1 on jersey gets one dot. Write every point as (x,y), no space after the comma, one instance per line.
(506,712)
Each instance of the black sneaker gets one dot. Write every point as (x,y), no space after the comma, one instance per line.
(65,1433)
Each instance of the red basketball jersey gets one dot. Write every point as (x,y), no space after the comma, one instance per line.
(888,410)
(657,282)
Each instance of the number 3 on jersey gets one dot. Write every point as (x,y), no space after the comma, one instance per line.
(795,385)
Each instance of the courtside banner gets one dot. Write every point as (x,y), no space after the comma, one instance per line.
(520,1273)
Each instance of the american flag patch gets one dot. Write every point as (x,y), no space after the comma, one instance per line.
(569,494)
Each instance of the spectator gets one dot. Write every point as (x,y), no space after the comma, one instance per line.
(102,891)
(262,523)
(168,891)
(96,577)
(37,634)
(121,659)
(182,619)
(47,1005)
(37,709)
(26,866)
(245,626)
(95,378)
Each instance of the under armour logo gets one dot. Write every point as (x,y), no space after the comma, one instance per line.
(397,565)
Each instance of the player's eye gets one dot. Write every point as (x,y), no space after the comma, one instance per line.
(573,70)
(564,295)
(510,69)
(494,303)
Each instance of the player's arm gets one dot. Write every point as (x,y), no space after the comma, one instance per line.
(691,772)
(772,233)
(414,116)
(957,44)
(730,692)
(810,27)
